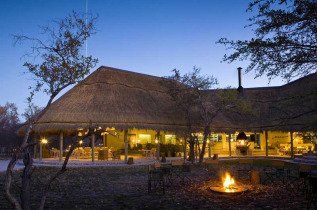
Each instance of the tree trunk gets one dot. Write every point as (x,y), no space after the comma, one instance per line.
(7,183)
(26,179)
(191,149)
(203,149)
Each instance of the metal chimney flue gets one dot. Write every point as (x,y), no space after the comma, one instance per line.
(240,88)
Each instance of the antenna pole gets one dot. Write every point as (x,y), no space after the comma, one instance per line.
(86,28)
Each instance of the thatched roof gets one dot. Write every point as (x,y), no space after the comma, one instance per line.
(291,107)
(122,99)
(114,98)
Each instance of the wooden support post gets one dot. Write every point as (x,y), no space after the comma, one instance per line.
(93,137)
(209,148)
(41,150)
(229,144)
(61,147)
(185,148)
(158,146)
(292,145)
(105,140)
(126,146)
(266,144)
(35,146)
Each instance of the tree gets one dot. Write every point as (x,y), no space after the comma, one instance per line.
(31,111)
(59,64)
(9,117)
(184,97)
(284,42)
(192,94)
(9,121)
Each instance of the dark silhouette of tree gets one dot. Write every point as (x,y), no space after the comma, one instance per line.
(59,63)
(285,39)
(31,111)
(191,92)
(9,117)
(9,121)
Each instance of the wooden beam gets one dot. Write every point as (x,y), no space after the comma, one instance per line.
(35,146)
(126,146)
(105,140)
(185,148)
(158,146)
(292,145)
(229,144)
(266,143)
(41,150)
(209,148)
(61,147)
(93,147)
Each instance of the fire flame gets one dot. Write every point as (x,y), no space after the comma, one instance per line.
(229,181)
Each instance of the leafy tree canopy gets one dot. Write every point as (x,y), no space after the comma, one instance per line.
(31,111)
(285,39)
(62,61)
(9,117)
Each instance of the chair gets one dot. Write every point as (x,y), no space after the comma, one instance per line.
(177,169)
(87,151)
(155,179)
(245,166)
(75,153)
(97,150)
(311,194)
(116,154)
(279,169)
(304,177)
(292,176)
(54,152)
(267,171)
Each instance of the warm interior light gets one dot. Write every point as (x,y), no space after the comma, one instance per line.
(139,140)
(80,134)
(242,142)
(44,141)
(208,141)
(80,142)
(156,141)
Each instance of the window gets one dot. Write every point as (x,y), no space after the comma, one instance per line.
(254,138)
(170,139)
(144,138)
(233,137)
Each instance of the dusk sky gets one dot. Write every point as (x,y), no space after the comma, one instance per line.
(147,36)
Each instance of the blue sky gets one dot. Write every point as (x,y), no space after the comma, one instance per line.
(147,36)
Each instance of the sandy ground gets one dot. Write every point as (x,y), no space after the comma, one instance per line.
(127,188)
(4,165)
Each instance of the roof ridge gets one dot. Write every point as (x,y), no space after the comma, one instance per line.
(127,71)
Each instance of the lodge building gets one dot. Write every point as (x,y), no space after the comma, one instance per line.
(135,115)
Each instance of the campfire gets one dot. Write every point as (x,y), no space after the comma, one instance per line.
(228,186)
